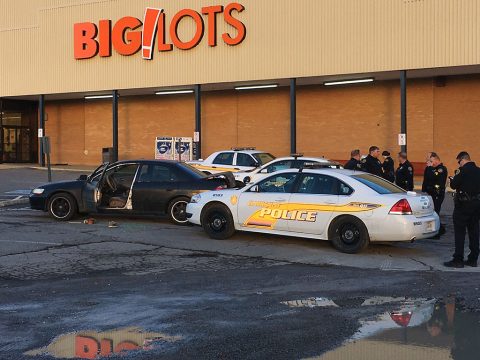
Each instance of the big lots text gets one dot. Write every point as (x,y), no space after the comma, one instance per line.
(128,37)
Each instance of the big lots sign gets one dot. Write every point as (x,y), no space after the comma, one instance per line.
(128,37)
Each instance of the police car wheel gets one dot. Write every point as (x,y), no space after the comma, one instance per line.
(62,207)
(217,221)
(348,234)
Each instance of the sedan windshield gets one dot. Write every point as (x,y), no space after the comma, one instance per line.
(263,158)
(193,170)
(377,184)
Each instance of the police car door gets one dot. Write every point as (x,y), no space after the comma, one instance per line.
(265,205)
(313,203)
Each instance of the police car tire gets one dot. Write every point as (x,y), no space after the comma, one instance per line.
(217,221)
(62,207)
(349,234)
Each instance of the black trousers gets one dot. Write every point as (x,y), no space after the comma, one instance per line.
(438,201)
(466,217)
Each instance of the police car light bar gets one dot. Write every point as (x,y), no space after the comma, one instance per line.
(244,149)
(349,82)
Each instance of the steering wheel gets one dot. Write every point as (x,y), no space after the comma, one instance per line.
(111,183)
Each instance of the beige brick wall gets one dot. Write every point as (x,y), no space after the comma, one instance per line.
(331,121)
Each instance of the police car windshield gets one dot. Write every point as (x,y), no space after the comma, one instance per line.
(378,184)
(263,158)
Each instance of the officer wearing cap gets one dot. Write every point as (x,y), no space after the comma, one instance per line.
(434,183)
(371,163)
(466,213)
(404,173)
(354,163)
(388,167)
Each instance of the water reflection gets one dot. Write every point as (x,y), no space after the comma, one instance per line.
(93,345)
(433,330)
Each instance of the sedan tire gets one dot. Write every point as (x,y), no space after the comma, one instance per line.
(177,210)
(217,221)
(62,206)
(349,234)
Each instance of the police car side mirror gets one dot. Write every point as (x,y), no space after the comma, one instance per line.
(255,189)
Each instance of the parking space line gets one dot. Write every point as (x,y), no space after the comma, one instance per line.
(30,242)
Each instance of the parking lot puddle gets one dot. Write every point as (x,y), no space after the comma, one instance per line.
(310,303)
(431,329)
(98,345)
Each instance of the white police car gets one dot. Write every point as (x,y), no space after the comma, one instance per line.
(350,209)
(237,159)
(294,161)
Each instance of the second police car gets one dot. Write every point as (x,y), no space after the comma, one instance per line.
(294,161)
(237,159)
(348,208)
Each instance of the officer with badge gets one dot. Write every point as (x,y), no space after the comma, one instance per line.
(371,163)
(354,163)
(404,173)
(388,167)
(434,183)
(466,213)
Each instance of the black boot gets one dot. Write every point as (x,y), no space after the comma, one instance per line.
(454,264)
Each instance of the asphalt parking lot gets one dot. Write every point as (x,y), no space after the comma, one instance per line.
(168,292)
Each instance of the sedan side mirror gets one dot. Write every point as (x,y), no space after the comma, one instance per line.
(255,189)
(83,178)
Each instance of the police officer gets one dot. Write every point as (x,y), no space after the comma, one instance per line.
(404,174)
(388,167)
(371,163)
(466,214)
(354,163)
(434,183)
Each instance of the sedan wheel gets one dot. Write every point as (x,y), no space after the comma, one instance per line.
(177,211)
(349,234)
(217,221)
(62,207)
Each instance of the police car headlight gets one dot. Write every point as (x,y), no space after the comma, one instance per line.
(38,191)
(195,199)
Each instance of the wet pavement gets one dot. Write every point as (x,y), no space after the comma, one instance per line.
(151,290)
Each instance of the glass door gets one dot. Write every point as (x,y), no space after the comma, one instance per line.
(10,144)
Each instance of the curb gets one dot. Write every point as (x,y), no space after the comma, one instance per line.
(6,203)
(60,169)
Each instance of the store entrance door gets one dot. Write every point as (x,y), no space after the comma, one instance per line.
(16,144)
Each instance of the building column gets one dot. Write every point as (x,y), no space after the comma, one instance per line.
(403,121)
(41,111)
(293,116)
(115,125)
(198,121)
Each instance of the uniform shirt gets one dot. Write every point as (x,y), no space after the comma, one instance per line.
(373,166)
(354,164)
(404,176)
(467,179)
(435,180)
(389,169)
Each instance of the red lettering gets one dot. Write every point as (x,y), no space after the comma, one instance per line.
(127,42)
(105,38)
(86,347)
(198,33)
(211,12)
(126,346)
(106,347)
(85,45)
(237,24)
(162,41)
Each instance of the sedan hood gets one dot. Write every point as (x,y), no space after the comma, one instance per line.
(74,184)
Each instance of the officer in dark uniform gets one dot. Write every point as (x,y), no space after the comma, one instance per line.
(371,163)
(466,214)
(354,163)
(404,174)
(388,167)
(434,183)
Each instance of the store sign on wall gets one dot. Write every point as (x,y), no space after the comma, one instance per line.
(127,37)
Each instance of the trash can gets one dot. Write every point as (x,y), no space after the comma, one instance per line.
(107,155)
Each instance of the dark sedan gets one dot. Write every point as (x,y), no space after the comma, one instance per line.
(129,187)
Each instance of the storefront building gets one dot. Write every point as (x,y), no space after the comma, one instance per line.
(57,54)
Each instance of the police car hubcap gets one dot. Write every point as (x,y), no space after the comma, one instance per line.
(217,223)
(350,234)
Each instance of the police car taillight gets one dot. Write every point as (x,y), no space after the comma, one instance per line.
(401,208)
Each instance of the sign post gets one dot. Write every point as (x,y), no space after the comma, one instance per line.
(46,151)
